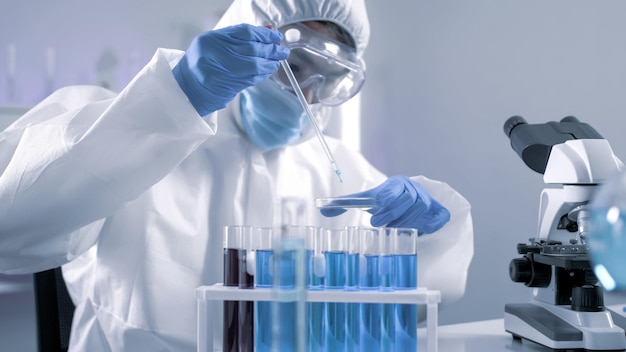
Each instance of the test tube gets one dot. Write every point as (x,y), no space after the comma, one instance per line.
(388,335)
(353,314)
(246,281)
(263,237)
(289,288)
(405,268)
(232,245)
(369,279)
(316,270)
(335,279)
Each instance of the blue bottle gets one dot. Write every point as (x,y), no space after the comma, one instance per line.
(607,237)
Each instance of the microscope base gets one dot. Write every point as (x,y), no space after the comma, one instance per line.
(560,327)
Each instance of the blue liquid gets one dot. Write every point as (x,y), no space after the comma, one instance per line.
(386,272)
(263,310)
(335,270)
(352,272)
(388,334)
(406,314)
(285,312)
(313,281)
(335,313)
(370,331)
(263,275)
(289,328)
(607,243)
(353,325)
(405,271)
(315,310)
(388,310)
(353,321)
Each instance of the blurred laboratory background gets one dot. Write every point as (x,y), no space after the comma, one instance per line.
(443,77)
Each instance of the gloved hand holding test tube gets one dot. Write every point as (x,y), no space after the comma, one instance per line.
(398,202)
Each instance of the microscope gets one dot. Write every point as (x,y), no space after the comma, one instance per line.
(566,310)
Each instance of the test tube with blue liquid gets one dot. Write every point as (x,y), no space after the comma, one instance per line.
(369,279)
(386,284)
(353,314)
(263,238)
(405,278)
(232,245)
(335,279)
(246,281)
(289,289)
(316,270)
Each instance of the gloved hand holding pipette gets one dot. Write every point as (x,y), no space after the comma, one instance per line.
(400,202)
(220,63)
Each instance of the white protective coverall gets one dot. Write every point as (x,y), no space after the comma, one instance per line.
(130,193)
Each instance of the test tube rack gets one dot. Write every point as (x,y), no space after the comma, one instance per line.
(207,296)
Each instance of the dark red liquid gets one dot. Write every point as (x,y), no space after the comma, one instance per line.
(246,308)
(230,338)
(246,326)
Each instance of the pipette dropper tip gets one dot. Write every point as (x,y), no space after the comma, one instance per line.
(338,172)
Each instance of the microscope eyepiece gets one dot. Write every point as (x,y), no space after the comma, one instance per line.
(533,142)
(570,119)
(510,124)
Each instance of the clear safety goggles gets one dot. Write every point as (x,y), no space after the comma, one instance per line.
(328,70)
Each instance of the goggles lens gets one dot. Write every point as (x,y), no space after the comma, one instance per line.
(326,69)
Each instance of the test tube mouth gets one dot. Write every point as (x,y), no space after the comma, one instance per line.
(236,236)
(335,240)
(369,241)
(263,238)
(403,240)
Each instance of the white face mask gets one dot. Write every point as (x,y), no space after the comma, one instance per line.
(273,117)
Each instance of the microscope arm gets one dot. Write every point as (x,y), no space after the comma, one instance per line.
(580,162)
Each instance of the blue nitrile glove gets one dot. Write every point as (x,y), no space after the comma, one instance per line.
(220,63)
(401,202)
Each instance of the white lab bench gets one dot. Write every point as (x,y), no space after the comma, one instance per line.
(480,336)
(486,335)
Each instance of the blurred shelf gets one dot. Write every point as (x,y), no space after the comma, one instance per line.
(15,283)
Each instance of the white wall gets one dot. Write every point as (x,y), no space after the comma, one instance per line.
(82,32)
(443,76)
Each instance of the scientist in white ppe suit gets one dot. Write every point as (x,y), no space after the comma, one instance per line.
(130,192)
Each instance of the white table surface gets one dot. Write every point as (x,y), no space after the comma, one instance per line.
(480,336)
(483,336)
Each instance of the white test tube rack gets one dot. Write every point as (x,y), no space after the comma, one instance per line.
(207,295)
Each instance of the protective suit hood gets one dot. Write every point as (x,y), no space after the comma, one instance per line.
(348,14)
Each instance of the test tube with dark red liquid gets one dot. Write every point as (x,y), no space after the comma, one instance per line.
(246,281)
(232,245)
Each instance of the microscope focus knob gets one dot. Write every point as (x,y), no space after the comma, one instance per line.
(587,298)
(520,270)
(532,274)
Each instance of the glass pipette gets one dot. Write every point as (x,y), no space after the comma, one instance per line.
(305,105)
